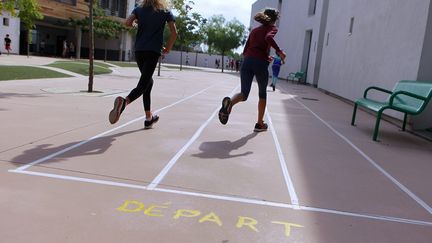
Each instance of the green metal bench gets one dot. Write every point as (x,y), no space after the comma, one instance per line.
(408,97)
(297,76)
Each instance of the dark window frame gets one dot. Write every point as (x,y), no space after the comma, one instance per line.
(6,21)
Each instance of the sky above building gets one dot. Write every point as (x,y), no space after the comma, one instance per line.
(239,9)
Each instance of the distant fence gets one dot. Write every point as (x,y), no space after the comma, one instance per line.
(193,59)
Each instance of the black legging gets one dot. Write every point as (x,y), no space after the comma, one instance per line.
(147,61)
(251,67)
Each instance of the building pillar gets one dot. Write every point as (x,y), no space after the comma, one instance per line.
(78,36)
(122,35)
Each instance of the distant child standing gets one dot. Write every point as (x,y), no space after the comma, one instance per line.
(277,63)
(65,49)
(7,43)
(71,50)
(150,17)
(255,64)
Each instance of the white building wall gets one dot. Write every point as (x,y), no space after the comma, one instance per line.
(194,59)
(13,29)
(295,21)
(424,120)
(296,18)
(385,45)
(259,6)
(391,40)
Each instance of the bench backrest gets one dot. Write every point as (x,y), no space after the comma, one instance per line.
(299,74)
(420,88)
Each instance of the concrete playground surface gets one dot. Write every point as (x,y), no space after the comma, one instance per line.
(67,175)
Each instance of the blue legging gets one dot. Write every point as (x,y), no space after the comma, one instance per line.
(254,67)
(276,70)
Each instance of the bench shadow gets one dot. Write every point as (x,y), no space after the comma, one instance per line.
(223,149)
(46,153)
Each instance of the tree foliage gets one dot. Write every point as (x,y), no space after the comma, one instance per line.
(189,25)
(8,5)
(223,36)
(28,12)
(104,26)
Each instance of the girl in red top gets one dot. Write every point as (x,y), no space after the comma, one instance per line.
(256,62)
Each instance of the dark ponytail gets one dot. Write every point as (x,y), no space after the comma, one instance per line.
(268,16)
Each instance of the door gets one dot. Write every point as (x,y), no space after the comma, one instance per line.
(306,53)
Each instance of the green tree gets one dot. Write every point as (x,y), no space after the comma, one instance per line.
(8,5)
(28,12)
(107,28)
(223,36)
(104,26)
(189,27)
(97,23)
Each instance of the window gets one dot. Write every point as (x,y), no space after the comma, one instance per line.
(351,26)
(70,2)
(104,4)
(312,7)
(6,21)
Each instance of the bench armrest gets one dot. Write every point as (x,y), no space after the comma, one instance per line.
(376,88)
(401,92)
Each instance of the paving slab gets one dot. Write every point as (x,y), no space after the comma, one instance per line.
(67,175)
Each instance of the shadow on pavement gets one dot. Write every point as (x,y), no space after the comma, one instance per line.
(223,149)
(9,95)
(43,151)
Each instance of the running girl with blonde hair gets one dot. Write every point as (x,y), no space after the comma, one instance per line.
(150,18)
(256,61)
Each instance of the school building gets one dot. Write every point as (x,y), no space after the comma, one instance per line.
(9,25)
(345,46)
(53,29)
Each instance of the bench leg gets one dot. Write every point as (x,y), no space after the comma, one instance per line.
(377,124)
(354,115)
(404,122)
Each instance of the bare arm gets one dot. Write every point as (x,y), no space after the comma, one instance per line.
(130,20)
(172,37)
(270,40)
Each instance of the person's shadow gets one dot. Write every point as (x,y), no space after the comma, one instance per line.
(47,153)
(223,149)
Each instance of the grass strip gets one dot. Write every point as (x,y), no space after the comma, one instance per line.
(124,64)
(27,72)
(80,67)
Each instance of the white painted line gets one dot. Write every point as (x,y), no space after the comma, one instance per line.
(24,167)
(371,161)
(227,198)
(285,205)
(367,216)
(287,177)
(174,159)
(231,199)
(80,179)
